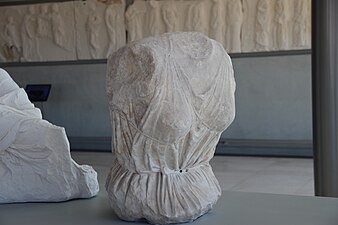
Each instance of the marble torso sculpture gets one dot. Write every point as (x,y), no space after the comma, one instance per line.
(170,97)
(35,162)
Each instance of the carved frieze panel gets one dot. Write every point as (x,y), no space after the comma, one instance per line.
(271,25)
(100,28)
(93,29)
(240,25)
(61,31)
(39,32)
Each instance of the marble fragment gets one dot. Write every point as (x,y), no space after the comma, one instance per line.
(35,160)
(170,97)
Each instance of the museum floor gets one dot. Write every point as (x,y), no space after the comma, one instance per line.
(281,181)
(292,176)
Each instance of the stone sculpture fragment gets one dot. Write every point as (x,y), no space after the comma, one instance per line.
(35,162)
(170,97)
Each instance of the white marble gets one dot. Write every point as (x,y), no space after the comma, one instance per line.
(234,20)
(10,39)
(154,18)
(271,25)
(30,43)
(61,31)
(170,98)
(35,162)
(135,14)
(100,28)
(217,26)
(114,19)
(94,29)
(282,19)
(302,24)
(232,171)
(240,25)
(39,32)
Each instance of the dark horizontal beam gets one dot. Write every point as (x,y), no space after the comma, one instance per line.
(54,63)
(27,2)
(271,148)
(275,148)
(271,53)
(103,61)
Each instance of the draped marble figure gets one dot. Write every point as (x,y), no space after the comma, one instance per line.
(133,22)
(234,20)
(35,162)
(300,37)
(93,32)
(154,19)
(170,98)
(262,35)
(58,27)
(282,21)
(196,17)
(13,44)
(43,22)
(111,20)
(216,21)
(30,46)
(170,16)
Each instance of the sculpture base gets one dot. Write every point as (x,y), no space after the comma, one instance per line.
(162,198)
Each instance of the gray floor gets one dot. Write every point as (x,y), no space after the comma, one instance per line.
(237,175)
(289,176)
(233,208)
